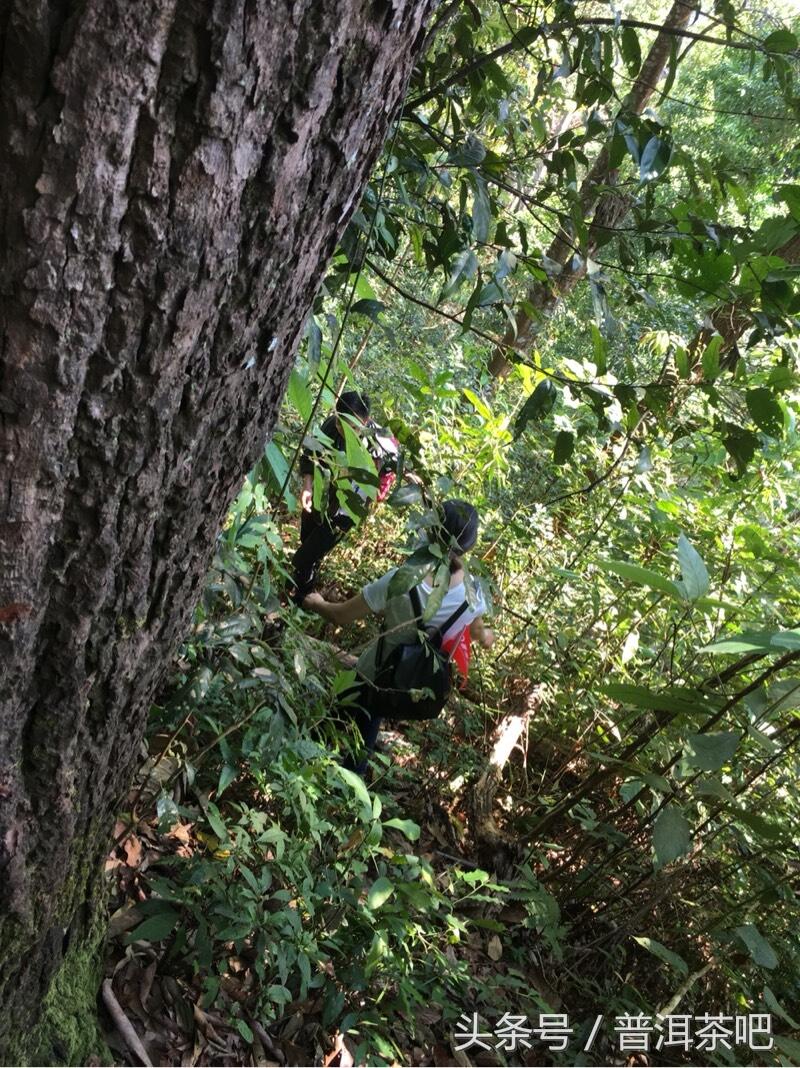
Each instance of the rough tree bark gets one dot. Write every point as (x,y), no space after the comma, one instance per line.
(175,177)
(607,209)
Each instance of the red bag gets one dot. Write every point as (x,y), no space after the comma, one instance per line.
(459,648)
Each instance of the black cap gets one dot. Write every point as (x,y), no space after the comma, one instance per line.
(353,403)
(460,522)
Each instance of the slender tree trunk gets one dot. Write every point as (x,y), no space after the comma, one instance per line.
(606,210)
(175,177)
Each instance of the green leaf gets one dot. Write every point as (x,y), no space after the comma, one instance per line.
(481,209)
(226,776)
(537,406)
(370,308)
(713,788)
(642,576)
(790,195)
(760,950)
(299,395)
(356,784)
(709,361)
(695,581)
(380,892)
(470,154)
(661,951)
(410,829)
(765,411)
(216,821)
(631,50)
(781,41)
(775,1006)
(599,349)
(710,752)
(244,1030)
(480,405)
(655,157)
(673,700)
(564,446)
(441,584)
(741,444)
(762,641)
(672,837)
(154,928)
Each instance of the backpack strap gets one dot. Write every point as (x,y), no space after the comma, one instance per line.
(440,631)
(437,634)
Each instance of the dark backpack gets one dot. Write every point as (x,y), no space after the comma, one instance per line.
(414,680)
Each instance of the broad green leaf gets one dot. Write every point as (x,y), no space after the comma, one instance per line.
(763,828)
(405,495)
(380,892)
(695,580)
(775,1006)
(765,411)
(780,41)
(226,776)
(441,584)
(564,446)
(672,700)
(710,752)
(741,444)
(537,406)
(244,1030)
(370,308)
(356,784)
(481,210)
(709,361)
(790,195)
(760,950)
(470,154)
(672,837)
(410,829)
(216,821)
(713,788)
(480,406)
(642,576)
(762,641)
(299,395)
(631,50)
(661,951)
(154,928)
(654,159)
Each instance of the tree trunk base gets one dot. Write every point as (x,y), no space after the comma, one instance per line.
(68,1032)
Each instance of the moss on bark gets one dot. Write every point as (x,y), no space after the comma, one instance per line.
(68,1032)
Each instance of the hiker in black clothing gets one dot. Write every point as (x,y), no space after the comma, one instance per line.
(385,669)
(321,530)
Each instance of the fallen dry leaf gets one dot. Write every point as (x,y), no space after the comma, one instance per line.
(494,947)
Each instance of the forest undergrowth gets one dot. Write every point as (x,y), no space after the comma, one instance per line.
(272,908)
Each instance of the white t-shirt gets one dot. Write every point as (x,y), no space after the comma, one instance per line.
(398,614)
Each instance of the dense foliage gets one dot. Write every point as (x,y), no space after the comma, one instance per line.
(577,308)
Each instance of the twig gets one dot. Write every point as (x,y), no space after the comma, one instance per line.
(124,1026)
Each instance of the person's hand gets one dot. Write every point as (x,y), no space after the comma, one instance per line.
(313,600)
(487,638)
(306,500)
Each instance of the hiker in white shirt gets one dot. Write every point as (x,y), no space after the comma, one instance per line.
(455,534)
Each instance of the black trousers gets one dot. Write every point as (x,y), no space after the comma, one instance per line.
(318,535)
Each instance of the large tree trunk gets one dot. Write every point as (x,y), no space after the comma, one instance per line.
(606,210)
(175,176)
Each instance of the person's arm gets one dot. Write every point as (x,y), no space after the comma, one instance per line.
(481,633)
(338,612)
